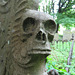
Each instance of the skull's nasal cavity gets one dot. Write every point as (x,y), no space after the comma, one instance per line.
(41,36)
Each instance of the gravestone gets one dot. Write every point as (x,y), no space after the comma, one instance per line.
(25,36)
(67,35)
(56,36)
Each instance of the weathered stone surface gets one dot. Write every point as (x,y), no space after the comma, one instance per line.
(25,35)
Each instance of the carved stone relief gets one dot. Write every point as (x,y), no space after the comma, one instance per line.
(36,31)
(4,6)
(28,34)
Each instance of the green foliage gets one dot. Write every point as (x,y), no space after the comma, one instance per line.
(66,16)
(65,13)
(53,65)
(58,58)
(47,6)
(70,13)
(67,19)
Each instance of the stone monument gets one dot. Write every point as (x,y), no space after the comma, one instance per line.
(25,36)
(56,37)
(67,35)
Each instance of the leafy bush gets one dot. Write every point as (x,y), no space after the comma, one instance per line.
(58,59)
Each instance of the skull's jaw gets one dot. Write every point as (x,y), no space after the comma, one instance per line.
(41,48)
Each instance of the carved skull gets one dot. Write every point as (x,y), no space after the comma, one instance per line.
(41,27)
(37,32)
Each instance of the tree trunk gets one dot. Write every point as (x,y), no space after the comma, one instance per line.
(70,54)
(57,28)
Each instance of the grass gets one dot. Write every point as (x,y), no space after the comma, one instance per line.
(58,58)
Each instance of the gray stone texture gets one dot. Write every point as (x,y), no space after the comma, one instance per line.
(25,34)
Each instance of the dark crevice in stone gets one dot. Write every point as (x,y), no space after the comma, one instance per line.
(41,36)
(3,45)
(23,40)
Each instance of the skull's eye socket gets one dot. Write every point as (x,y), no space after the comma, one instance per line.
(29,24)
(50,26)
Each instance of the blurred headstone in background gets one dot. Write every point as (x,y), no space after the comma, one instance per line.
(67,35)
(56,37)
